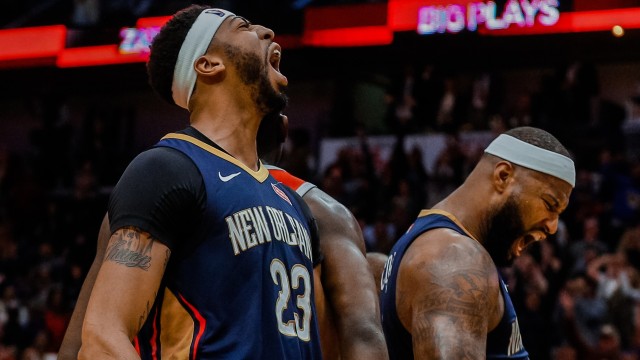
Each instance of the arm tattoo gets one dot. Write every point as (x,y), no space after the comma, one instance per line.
(145,313)
(131,248)
(143,316)
(452,315)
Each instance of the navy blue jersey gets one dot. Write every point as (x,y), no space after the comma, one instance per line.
(240,285)
(504,342)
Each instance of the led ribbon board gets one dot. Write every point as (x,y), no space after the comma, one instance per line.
(454,18)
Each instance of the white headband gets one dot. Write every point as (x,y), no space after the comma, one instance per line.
(195,44)
(532,157)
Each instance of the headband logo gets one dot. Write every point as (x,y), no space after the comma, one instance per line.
(214,12)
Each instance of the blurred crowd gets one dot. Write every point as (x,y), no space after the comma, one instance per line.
(577,294)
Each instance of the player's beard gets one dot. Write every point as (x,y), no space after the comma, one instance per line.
(254,72)
(504,229)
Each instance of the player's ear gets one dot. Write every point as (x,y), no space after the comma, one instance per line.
(502,176)
(209,66)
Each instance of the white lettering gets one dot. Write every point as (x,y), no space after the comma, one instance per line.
(513,14)
(293,235)
(515,341)
(235,235)
(549,14)
(493,22)
(454,17)
(260,225)
(243,217)
(529,9)
(249,228)
(388,267)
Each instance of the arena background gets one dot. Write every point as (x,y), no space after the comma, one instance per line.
(384,119)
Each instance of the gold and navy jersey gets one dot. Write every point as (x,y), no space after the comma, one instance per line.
(503,342)
(243,287)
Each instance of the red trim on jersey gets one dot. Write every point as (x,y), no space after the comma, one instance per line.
(281,194)
(286,178)
(201,324)
(155,337)
(136,344)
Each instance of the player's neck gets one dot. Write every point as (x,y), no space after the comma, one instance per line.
(468,209)
(232,128)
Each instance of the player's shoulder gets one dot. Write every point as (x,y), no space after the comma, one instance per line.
(162,158)
(326,208)
(325,201)
(444,249)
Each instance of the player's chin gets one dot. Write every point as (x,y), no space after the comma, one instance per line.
(279,87)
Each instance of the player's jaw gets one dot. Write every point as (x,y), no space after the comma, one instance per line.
(504,236)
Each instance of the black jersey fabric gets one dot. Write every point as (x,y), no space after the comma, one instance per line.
(161,192)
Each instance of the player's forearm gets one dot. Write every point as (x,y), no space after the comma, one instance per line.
(100,342)
(358,320)
(72,338)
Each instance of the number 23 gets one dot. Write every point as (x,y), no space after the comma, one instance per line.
(280,276)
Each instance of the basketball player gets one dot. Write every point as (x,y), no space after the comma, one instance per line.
(345,292)
(209,257)
(442,296)
(346,296)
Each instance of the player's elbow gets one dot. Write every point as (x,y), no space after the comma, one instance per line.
(98,343)
(367,334)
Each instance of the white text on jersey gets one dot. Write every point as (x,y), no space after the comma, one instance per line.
(250,227)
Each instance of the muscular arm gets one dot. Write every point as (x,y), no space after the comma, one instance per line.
(72,338)
(347,281)
(457,300)
(123,294)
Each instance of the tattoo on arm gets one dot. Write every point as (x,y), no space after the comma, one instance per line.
(150,302)
(131,247)
(463,300)
(451,318)
(145,313)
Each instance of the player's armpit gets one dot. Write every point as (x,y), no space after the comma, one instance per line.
(347,280)
(123,294)
(451,311)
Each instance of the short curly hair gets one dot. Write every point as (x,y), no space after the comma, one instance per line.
(166,47)
(539,138)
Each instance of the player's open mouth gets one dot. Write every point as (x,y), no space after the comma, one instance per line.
(274,61)
(528,240)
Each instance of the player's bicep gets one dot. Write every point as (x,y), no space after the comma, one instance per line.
(125,288)
(450,311)
(450,318)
